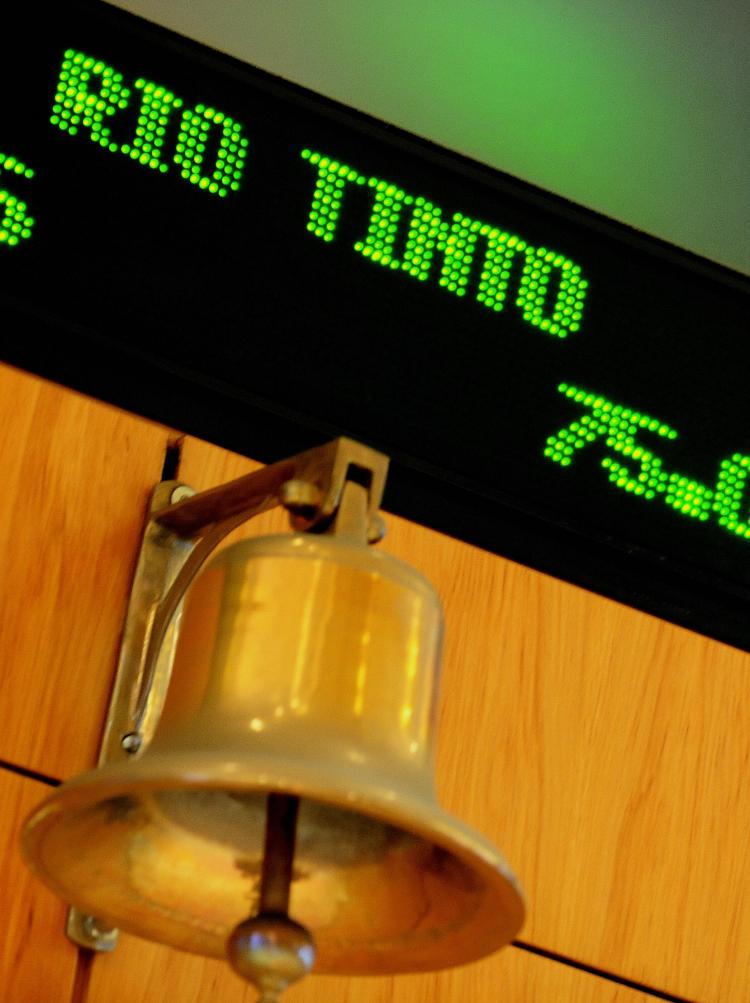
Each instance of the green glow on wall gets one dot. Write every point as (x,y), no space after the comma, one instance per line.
(156,105)
(617,427)
(428,233)
(191,148)
(15,224)
(88,92)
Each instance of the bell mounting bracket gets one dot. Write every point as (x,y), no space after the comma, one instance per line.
(182,528)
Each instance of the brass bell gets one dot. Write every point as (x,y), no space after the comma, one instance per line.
(290,772)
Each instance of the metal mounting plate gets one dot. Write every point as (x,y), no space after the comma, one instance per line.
(162,555)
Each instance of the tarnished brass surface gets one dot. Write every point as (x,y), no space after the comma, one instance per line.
(313,486)
(305,665)
(310,485)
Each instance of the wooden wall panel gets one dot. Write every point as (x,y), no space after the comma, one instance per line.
(37,962)
(139,972)
(606,758)
(76,480)
(603,749)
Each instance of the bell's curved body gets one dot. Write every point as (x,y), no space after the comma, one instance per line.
(305,665)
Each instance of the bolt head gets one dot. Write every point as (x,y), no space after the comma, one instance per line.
(300,495)
(180,493)
(96,929)
(131,742)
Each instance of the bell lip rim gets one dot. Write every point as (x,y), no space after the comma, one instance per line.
(421,817)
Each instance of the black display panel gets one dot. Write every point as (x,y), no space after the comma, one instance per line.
(204,244)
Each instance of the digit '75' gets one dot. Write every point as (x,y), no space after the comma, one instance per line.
(617,426)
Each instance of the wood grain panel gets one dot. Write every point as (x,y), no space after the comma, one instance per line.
(139,972)
(76,479)
(37,962)
(603,749)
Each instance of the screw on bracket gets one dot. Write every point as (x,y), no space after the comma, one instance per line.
(131,742)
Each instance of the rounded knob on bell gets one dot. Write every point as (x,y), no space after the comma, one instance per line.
(271,951)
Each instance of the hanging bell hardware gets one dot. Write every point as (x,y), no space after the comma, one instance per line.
(265,787)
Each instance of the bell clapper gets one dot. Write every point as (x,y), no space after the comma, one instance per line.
(270,950)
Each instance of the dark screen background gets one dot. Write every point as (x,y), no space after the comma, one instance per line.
(227,319)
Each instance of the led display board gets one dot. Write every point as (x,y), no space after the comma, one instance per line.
(202,243)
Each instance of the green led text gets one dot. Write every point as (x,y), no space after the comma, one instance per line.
(550,293)
(191,144)
(643,473)
(157,104)
(15,224)
(89,93)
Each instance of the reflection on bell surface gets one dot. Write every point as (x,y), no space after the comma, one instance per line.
(305,665)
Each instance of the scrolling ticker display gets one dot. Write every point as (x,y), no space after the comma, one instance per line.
(207,245)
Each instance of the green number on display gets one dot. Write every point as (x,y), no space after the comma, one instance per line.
(617,426)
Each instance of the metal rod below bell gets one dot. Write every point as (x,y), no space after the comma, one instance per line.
(270,950)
